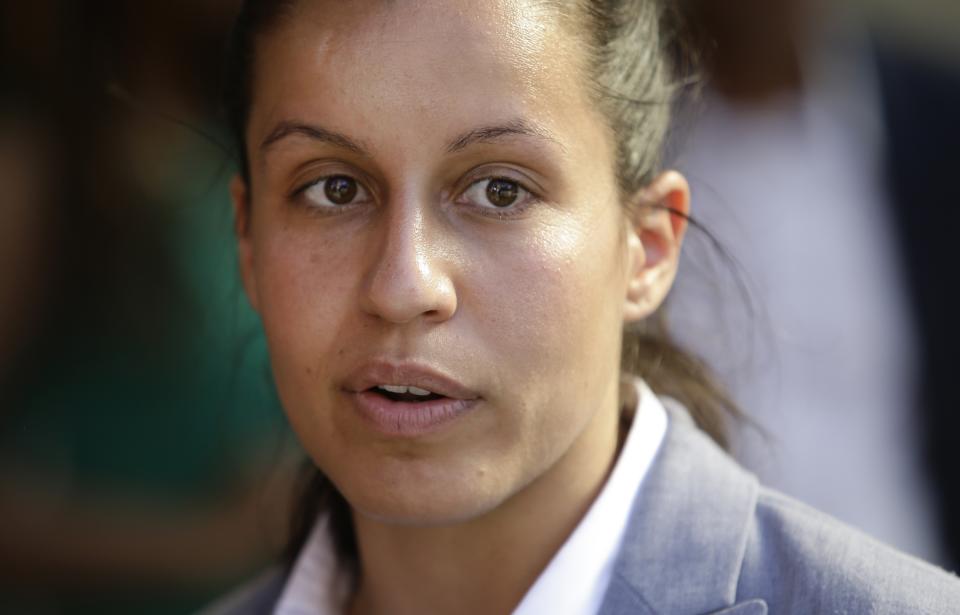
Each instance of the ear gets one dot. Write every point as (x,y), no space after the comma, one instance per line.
(655,233)
(240,195)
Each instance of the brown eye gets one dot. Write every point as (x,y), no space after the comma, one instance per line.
(335,192)
(340,189)
(503,195)
(502,192)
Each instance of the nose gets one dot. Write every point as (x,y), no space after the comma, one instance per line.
(409,277)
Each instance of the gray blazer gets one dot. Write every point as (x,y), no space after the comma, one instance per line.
(705,538)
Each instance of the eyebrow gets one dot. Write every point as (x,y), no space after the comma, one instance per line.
(289,128)
(488,134)
(484,134)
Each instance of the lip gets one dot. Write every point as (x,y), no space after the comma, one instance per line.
(373,373)
(408,419)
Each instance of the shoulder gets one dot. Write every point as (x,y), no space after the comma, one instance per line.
(704,537)
(256,597)
(799,559)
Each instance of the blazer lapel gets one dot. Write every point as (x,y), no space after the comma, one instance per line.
(688,531)
(750,607)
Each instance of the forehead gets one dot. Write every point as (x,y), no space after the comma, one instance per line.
(380,64)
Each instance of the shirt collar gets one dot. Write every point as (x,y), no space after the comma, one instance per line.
(576,578)
(315,586)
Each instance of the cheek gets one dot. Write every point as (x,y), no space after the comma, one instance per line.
(549,314)
(304,283)
(560,289)
(551,309)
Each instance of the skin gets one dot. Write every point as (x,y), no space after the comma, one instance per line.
(524,305)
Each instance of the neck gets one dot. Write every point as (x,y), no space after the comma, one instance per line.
(487,564)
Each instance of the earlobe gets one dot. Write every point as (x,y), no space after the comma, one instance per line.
(653,241)
(240,195)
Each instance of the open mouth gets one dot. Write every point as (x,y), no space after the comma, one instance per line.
(406,410)
(407,394)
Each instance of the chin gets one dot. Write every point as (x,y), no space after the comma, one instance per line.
(425,505)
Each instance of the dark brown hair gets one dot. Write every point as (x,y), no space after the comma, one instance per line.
(637,59)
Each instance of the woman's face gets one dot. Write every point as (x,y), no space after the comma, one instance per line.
(432,204)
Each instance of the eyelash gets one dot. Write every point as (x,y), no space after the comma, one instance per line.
(299,195)
(526,197)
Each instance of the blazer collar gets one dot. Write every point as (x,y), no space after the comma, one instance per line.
(688,530)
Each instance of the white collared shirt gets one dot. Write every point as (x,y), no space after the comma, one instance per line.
(574,581)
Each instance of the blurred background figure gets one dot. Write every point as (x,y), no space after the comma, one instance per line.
(140,437)
(823,157)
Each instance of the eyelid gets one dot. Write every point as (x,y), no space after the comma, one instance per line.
(507,172)
(299,193)
(533,194)
(318,170)
(314,170)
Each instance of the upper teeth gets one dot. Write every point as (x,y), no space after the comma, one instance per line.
(393,388)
